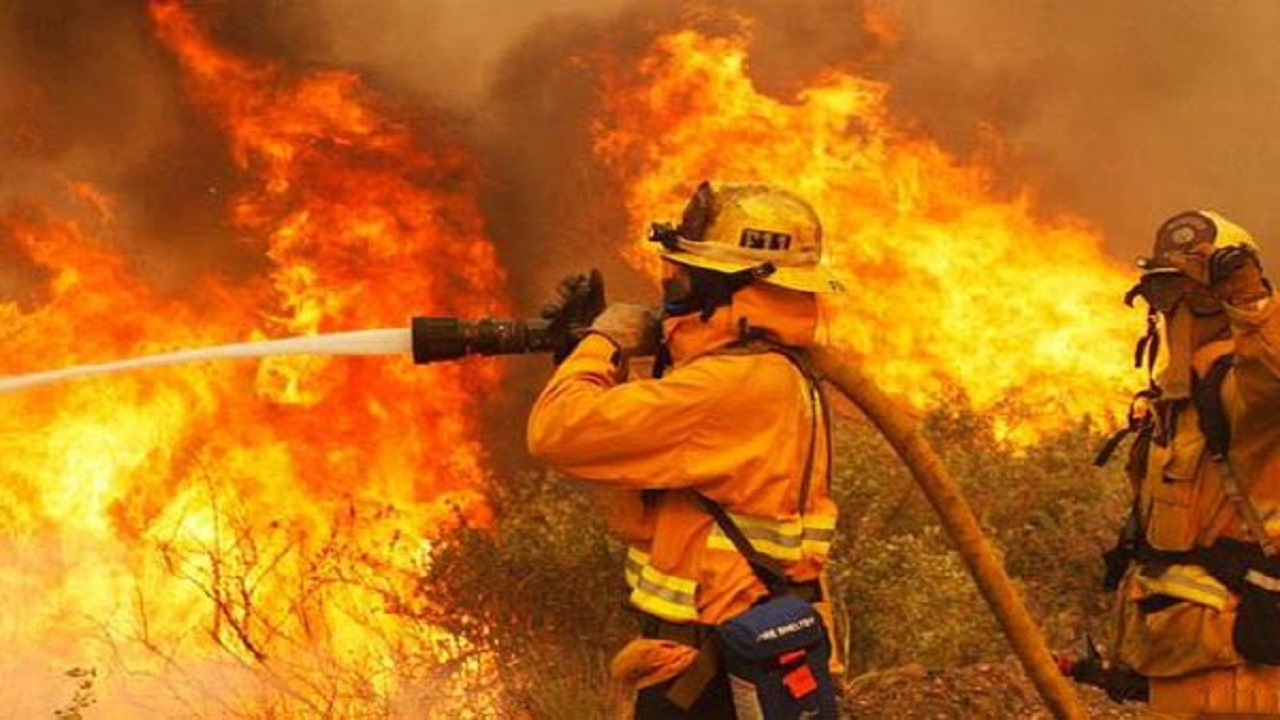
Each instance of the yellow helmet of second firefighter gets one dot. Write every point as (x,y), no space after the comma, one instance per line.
(1184,237)
(736,227)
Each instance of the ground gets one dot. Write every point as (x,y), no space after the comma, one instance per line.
(985,690)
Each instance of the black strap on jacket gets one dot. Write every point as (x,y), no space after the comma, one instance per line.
(766,569)
(1216,429)
(817,403)
(1138,423)
(1207,395)
(753,340)
(1224,560)
(1228,560)
(690,684)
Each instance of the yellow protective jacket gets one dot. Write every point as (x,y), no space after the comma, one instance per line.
(1182,504)
(735,427)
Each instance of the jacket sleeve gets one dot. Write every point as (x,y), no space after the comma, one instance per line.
(590,424)
(1257,348)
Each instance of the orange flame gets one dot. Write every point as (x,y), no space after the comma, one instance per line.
(250,533)
(950,285)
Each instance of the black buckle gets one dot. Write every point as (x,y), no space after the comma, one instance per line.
(694,221)
(690,634)
(666,234)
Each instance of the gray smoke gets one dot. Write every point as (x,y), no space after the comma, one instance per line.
(444,49)
(1122,112)
(517,78)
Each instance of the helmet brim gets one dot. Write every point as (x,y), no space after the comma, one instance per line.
(813,279)
(1156,266)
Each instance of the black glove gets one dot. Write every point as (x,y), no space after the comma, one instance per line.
(581,299)
(1229,561)
(1121,683)
(1256,634)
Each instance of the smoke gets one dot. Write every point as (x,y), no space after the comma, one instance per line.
(1119,113)
(87,95)
(77,88)
(1123,113)
(444,50)
(523,84)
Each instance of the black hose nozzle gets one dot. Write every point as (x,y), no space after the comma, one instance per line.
(562,325)
(449,338)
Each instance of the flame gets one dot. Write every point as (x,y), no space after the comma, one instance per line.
(951,285)
(249,533)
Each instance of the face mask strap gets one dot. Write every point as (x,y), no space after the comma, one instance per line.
(1215,308)
(1148,348)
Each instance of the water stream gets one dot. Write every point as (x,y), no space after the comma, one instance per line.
(359,342)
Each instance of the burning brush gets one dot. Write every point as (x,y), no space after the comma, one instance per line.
(561,325)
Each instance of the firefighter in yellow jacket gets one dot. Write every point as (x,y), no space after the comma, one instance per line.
(1199,600)
(733,416)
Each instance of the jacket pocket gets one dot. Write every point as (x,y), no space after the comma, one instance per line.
(1170,490)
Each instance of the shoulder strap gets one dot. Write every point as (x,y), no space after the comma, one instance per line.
(766,569)
(817,406)
(753,342)
(1215,427)
(1207,395)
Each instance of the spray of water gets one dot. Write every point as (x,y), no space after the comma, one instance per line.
(359,342)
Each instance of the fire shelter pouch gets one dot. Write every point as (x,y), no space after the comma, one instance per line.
(777,656)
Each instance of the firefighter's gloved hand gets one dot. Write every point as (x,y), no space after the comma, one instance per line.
(1193,262)
(1235,273)
(635,329)
(580,300)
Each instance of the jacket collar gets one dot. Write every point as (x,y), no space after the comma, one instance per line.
(785,316)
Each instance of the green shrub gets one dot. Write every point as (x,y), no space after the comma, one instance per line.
(542,592)
(1047,512)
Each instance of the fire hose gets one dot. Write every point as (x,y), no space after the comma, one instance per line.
(958,519)
(437,339)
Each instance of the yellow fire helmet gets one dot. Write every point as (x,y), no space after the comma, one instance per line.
(750,227)
(1182,233)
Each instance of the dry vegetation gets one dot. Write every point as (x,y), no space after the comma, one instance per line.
(543,591)
(534,607)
